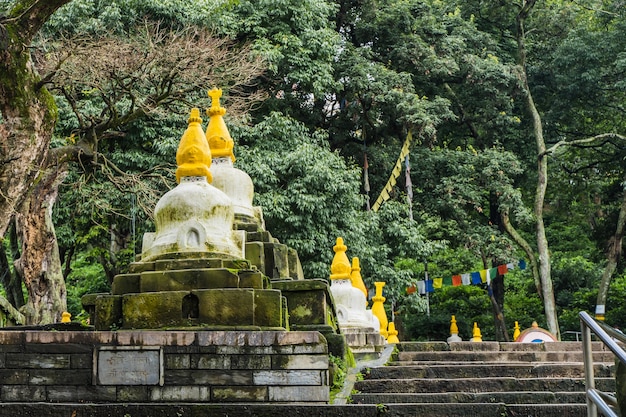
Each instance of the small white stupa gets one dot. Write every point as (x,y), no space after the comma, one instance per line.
(350,301)
(234,182)
(194,217)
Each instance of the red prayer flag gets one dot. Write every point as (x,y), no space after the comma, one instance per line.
(502,269)
(456,280)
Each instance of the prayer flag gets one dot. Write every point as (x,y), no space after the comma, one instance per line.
(476,280)
(447,280)
(411,289)
(510,266)
(502,269)
(483,275)
(456,280)
(437,282)
(429,285)
(465,279)
(421,287)
(522,264)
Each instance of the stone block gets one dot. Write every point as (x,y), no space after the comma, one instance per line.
(238,394)
(276,260)
(250,362)
(133,393)
(176,264)
(138,267)
(188,279)
(251,279)
(81,360)
(125,284)
(237,264)
(180,393)
(36,361)
(320,394)
(61,377)
(255,254)
(153,310)
(90,393)
(300,362)
(22,393)
(210,362)
(295,267)
(232,307)
(13,376)
(208,377)
(177,361)
(108,312)
(261,236)
(268,308)
(307,307)
(289,377)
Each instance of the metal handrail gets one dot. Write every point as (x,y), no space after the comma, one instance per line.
(597,400)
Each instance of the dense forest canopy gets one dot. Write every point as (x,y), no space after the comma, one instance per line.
(516,110)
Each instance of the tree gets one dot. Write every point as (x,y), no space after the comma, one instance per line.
(122,80)
(29,115)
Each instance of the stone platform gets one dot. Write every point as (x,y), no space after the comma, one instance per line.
(163,367)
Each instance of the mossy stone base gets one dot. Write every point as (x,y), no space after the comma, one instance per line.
(209,307)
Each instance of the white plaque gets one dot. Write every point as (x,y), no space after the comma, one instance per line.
(128,366)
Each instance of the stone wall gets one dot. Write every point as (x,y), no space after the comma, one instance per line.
(163,366)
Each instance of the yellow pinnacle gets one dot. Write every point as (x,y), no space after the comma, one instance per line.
(340,268)
(356,278)
(476,333)
(516,332)
(454,329)
(193,155)
(217,134)
(392,333)
(66,317)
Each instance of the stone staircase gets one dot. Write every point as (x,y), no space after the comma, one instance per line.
(484,379)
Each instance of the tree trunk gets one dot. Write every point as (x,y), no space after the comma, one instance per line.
(40,263)
(542,177)
(614,252)
(28,110)
(11,280)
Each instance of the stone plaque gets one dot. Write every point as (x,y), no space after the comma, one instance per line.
(128,366)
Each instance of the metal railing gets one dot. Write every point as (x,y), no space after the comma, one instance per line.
(597,400)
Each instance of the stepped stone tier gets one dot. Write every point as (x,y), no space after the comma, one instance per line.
(359,325)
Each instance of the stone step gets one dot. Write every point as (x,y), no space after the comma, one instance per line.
(495,346)
(513,397)
(502,356)
(466,370)
(479,385)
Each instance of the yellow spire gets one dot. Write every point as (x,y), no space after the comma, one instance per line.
(220,142)
(476,332)
(356,278)
(340,268)
(193,155)
(378,309)
(454,329)
(516,331)
(392,334)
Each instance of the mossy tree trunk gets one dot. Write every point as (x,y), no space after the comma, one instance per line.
(545,275)
(28,118)
(40,263)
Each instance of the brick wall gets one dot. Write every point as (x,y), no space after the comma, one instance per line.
(163,366)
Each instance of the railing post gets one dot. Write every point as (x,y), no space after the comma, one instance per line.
(592,410)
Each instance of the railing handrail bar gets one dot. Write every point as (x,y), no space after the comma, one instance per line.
(596,396)
(603,335)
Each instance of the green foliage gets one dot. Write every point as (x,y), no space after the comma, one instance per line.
(87,277)
(468,303)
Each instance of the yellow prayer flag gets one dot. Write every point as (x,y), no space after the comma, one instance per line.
(483,275)
(437,282)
